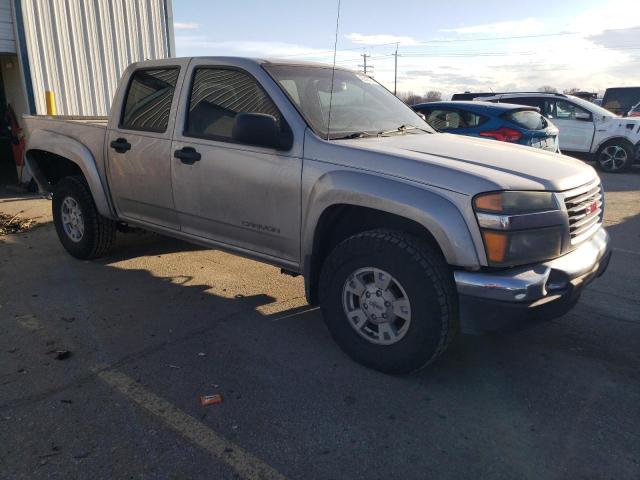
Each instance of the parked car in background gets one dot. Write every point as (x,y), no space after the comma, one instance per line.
(500,121)
(586,129)
(635,111)
(620,100)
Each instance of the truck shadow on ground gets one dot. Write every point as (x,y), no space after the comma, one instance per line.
(301,328)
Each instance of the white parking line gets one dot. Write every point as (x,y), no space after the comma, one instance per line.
(243,463)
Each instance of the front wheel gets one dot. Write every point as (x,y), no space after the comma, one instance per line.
(83,232)
(389,300)
(614,157)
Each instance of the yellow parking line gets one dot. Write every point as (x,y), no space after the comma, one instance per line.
(243,463)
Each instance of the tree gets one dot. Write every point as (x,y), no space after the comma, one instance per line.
(433,96)
(571,91)
(410,98)
(548,89)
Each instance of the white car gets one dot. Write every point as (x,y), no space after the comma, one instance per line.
(585,128)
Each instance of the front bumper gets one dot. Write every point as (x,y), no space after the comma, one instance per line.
(541,291)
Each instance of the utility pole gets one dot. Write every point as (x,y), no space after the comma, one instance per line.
(395,72)
(364,63)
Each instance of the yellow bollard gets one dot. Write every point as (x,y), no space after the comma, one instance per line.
(51,102)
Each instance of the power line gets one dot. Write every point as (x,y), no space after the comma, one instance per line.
(452,40)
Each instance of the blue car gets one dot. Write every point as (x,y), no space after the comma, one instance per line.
(504,122)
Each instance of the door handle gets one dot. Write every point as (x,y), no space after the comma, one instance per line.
(121,145)
(187,155)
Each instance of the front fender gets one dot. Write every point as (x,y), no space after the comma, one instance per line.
(74,151)
(428,208)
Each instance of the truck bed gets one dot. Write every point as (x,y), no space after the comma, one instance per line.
(90,131)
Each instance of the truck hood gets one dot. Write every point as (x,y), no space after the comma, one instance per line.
(466,164)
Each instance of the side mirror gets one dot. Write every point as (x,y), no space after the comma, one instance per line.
(583,116)
(422,116)
(261,130)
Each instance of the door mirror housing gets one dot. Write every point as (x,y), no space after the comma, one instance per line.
(261,130)
(584,116)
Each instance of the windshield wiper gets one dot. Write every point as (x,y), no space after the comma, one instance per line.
(403,129)
(356,135)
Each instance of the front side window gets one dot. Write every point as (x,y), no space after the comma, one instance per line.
(217,96)
(148,101)
(358,103)
(568,111)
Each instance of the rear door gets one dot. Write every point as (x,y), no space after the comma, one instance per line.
(139,145)
(241,195)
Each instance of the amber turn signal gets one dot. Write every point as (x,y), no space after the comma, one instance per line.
(495,245)
(491,202)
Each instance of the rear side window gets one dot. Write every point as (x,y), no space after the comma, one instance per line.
(445,120)
(529,119)
(217,96)
(148,101)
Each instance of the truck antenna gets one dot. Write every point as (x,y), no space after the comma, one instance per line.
(333,71)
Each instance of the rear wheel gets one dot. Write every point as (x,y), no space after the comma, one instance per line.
(389,300)
(615,156)
(83,232)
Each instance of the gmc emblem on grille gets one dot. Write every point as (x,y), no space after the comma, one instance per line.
(591,208)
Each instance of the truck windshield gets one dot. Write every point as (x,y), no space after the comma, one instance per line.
(360,106)
(592,107)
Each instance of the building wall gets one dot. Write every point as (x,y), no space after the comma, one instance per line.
(79,48)
(7,41)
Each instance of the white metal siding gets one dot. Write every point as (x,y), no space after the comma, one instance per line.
(79,48)
(7,41)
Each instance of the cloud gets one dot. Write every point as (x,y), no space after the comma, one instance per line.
(186,25)
(202,45)
(380,39)
(526,26)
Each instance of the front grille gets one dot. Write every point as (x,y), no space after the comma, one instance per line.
(584,217)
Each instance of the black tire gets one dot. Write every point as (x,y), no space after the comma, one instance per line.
(99,232)
(429,285)
(615,166)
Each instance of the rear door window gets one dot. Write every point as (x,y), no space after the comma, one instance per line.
(444,120)
(148,101)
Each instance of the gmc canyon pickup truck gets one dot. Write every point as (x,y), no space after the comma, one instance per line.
(402,234)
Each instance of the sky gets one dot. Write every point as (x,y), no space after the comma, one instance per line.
(450,46)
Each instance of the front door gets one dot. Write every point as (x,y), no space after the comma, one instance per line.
(576,125)
(240,195)
(139,149)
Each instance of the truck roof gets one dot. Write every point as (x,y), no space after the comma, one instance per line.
(245,60)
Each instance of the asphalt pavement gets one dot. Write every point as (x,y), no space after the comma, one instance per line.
(158,323)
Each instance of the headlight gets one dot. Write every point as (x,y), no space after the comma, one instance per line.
(519,227)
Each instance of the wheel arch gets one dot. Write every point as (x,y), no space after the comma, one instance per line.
(611,139)
(53,156)
(350,202)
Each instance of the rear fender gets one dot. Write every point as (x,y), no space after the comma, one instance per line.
(74,151)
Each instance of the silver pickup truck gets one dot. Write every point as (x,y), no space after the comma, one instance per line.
(402,234)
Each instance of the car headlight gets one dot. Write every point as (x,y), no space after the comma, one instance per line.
(519,227)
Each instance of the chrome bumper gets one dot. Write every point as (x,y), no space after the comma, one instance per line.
(536,283)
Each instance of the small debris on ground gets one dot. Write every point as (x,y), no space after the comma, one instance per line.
(173,366)
(210,399)
(62,354)
(14,224)
(202,354)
